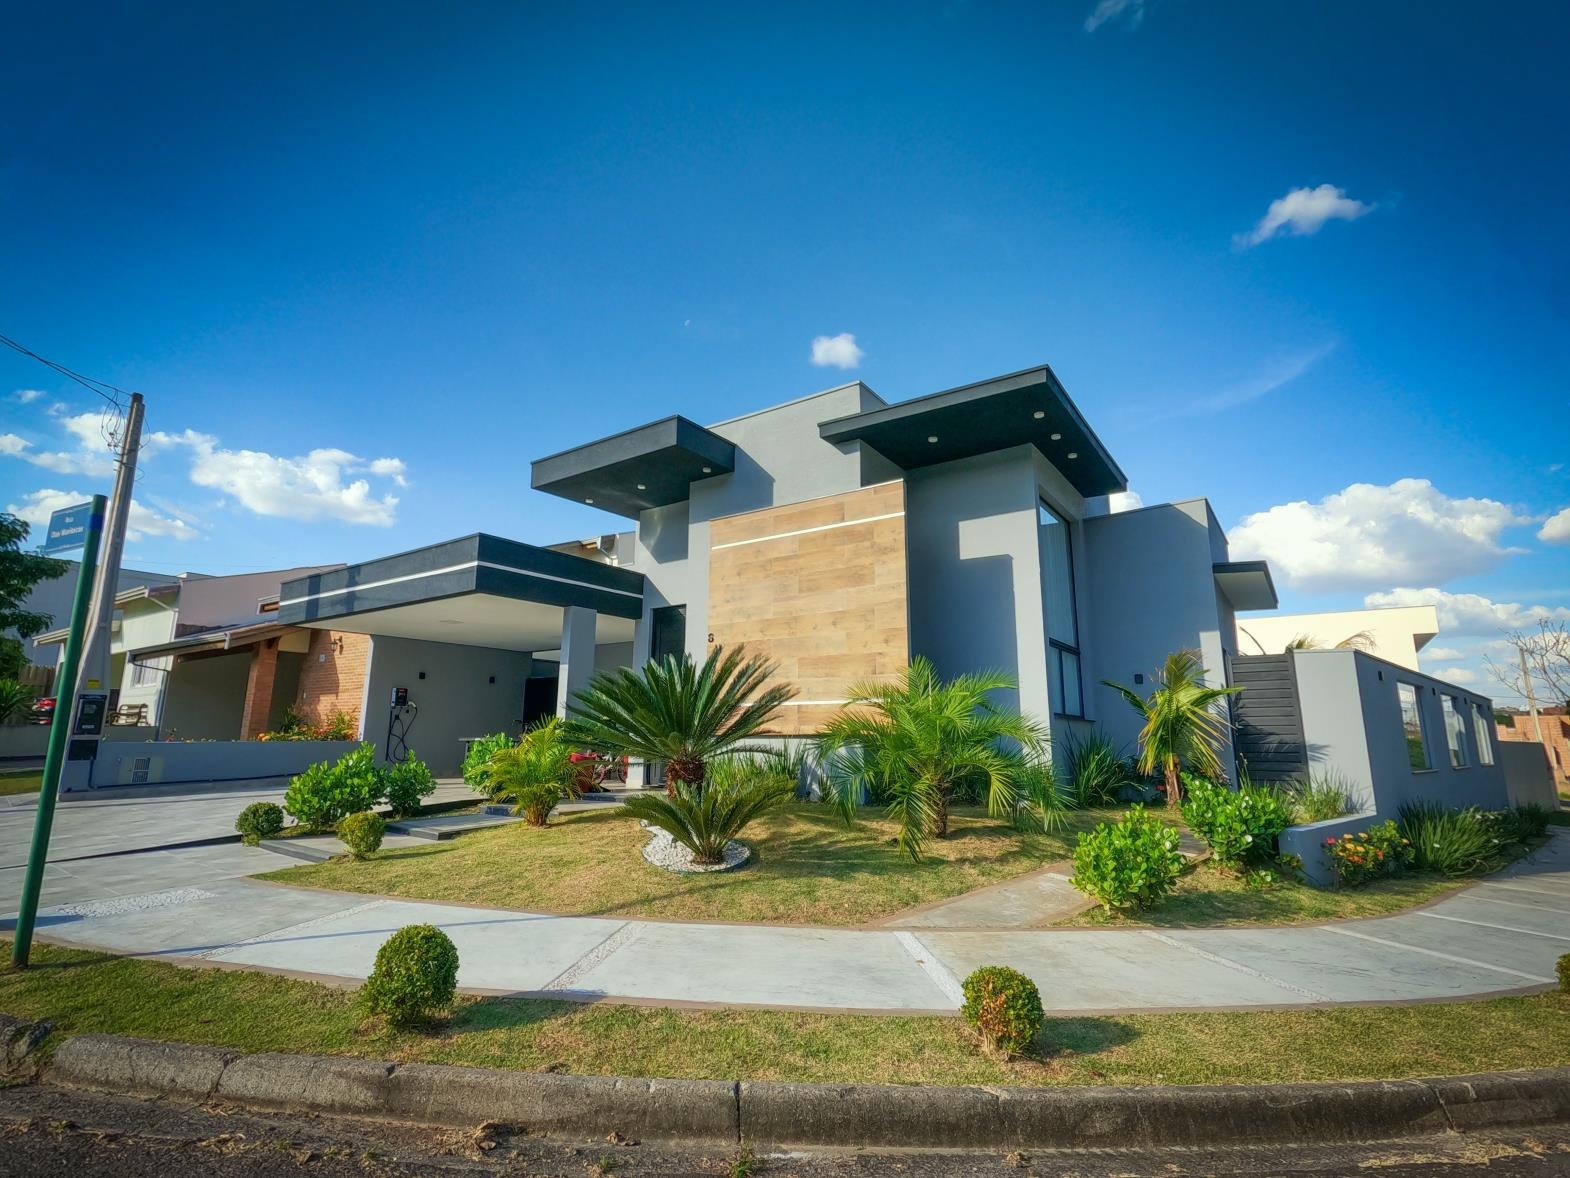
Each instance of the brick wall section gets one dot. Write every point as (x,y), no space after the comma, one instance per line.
(332,678)
(1556,739)
(259,689)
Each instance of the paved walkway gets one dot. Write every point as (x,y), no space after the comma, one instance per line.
(1500,935)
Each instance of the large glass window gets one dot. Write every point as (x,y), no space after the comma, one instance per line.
(146,674)
(1062,615)
(1455,731)
(1483,726)
(1412,726)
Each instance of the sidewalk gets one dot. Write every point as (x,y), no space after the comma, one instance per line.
(1501,935)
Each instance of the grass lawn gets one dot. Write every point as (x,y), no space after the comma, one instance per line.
(21,781)
(807,868)
(1210,895)
(85,991)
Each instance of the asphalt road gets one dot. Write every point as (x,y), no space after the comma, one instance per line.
(48,1132)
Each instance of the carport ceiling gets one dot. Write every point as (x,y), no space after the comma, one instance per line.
(476,619)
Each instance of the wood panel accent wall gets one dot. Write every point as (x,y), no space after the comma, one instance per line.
(820,588)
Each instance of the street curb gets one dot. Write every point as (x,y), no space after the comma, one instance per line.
(783,1114)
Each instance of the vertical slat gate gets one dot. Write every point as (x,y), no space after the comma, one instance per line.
(1268,717)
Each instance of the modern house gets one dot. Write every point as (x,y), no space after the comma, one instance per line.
(837,534)
(204,658)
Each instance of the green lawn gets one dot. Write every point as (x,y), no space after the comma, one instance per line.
(85,991)
(808,868)
(21,781)
(1210,895)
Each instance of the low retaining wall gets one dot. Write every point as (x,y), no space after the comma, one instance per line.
(175,762)
(776,1114)
(1308,843)
(1529,778)
(32,740)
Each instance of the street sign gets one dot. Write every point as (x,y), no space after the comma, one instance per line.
(67,528)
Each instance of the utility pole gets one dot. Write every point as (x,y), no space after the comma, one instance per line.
(93,685)
(59,731)
(1531,695)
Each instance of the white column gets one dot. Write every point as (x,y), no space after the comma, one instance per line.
(577,654)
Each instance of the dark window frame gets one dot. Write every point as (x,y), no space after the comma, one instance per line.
(1056,647)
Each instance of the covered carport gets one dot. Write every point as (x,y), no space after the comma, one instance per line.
(482,634)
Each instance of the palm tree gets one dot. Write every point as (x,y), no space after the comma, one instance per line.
(678,713)
(1184,723)
(915,740)
(533,774)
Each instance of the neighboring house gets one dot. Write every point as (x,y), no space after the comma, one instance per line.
(1551,728)
(838,535)
(54,598)
(204,658)
(1395,633)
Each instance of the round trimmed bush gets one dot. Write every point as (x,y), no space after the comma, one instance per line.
(1004,1006)
(1131,863)
(258,821)
(362,833)
(1564,973)
(416,974)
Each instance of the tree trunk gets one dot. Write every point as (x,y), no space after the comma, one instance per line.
(688,771)
(940,822)
(1174,784)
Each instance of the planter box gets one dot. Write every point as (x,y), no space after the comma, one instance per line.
(176,762)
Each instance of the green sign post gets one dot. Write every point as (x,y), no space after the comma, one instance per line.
(59,735)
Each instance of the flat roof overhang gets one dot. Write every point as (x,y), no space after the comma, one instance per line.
(1029,406)
(1246,584)
(479,590)
(653,465)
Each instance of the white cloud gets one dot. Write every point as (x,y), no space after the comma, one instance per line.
(836,351)
(1272,377)
(391,468)
(1107,10)
(309,487)
(1470,614)
(1368,535)
(91,455)
(1556,529)
(27,396)
(1302,212)
(1461,676)
(142,522)
(1442,654)
(11,445)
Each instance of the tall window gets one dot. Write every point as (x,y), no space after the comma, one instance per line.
(1412,726)
(669,623)
(146,674)
(1483,727)
(1057,575)
(1455,731)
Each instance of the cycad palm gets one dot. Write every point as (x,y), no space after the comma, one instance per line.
(675,712)
(1184,721)
(913,741)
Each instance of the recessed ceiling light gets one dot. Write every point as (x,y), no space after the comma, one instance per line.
(932,437)
(1072,454)
(1039,414)
(1057,437)
(588,500)
(641,487)
(708,470)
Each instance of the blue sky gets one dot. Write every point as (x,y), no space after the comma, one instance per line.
(367,261)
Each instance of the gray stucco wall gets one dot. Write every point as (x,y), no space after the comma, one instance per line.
(205,697)
(178,762)
(1152,585)
(456,698)
(54,598)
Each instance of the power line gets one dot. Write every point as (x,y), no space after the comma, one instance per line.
(87,382)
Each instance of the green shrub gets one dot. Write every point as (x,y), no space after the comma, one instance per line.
(258,821)
(1379,851)
(16,701)
(405,783)
(362,833)
(1130,863)
(339,726)
(416,974)
(533,774)
(1004,1007)
(1094,769)
(1563,968)
(1520,824)
(736,792)
(325,793)
(1238,825)
(476,762)
(1324,795)
(1453,842)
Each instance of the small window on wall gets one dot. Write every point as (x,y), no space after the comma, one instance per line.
(1412,727)
(1482,726)
(146,674)
(1062,613)
(1455,731)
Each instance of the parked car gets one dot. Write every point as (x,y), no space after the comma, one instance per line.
(43,710)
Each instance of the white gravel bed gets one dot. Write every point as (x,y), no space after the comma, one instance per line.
(664,851)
